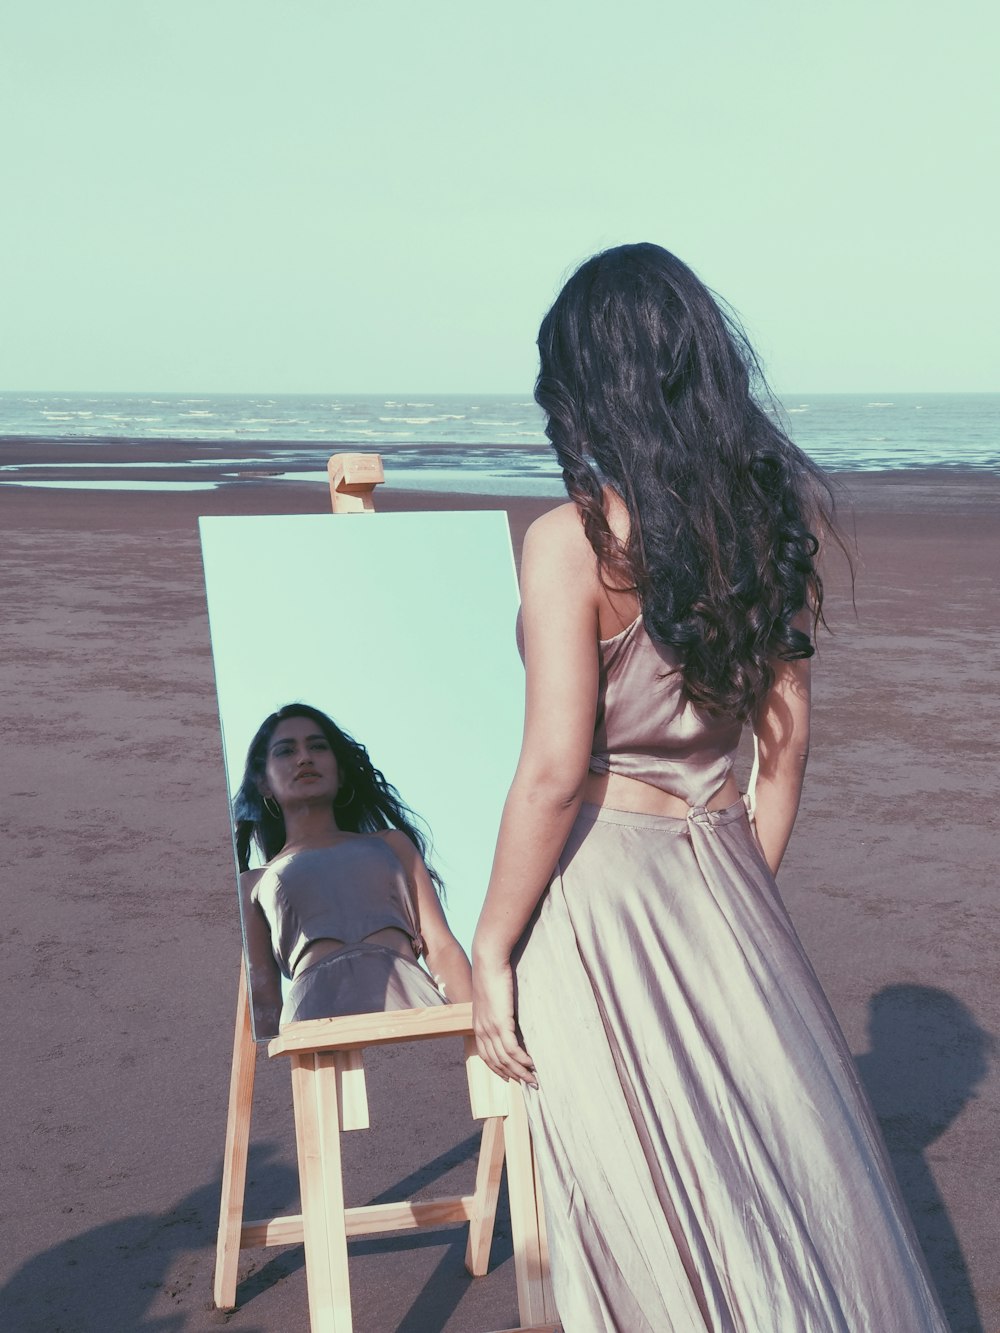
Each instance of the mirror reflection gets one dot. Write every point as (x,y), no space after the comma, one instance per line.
(371,720)
(345,903)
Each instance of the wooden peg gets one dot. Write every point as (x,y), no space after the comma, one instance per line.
(353,478)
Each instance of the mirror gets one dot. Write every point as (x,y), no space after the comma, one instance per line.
(401,628)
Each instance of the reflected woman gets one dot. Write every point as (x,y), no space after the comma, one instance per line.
(345,904)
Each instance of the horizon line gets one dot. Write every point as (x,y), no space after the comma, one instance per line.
(448,393)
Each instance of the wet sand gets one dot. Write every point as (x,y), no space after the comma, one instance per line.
(120,945)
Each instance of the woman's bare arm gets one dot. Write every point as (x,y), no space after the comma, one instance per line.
(560,627)
(447,961)
(781,749)
(265,979)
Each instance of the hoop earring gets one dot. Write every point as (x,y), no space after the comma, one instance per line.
(276,812)
(350,798)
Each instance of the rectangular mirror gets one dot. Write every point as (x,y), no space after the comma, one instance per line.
(400,627)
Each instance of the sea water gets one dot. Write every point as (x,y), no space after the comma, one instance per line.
(485,443)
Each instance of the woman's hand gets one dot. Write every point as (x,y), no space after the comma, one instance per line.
(493,1021)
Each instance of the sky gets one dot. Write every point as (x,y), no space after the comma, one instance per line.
(365,196)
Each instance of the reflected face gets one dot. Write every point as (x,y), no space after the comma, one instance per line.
(300,766)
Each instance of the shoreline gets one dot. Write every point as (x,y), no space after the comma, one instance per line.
(116,460)
(894,492)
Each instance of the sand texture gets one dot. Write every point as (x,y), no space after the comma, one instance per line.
(120,941)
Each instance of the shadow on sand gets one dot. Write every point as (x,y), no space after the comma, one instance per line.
(927,1056)
(108,1278)
(442,1293)
(926,1059)
(126,1273)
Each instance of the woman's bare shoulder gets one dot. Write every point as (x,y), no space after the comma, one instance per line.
(404,848)
(559,557)
(401,843)
(557,538)
(562,522)
(248,878)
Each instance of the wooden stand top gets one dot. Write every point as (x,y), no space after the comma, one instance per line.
(355,1030)
(353,478)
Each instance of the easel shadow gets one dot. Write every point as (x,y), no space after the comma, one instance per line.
(110,1276)
(927,1057)
(445,1287)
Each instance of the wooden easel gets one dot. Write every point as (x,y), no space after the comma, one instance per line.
(329,1095)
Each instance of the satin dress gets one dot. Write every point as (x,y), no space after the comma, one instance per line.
(708,1157)
(349,891)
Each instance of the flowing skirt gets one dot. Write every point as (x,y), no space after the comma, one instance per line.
(360,979)
(708,1157)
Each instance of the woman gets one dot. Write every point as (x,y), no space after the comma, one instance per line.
(345,904)
(707,1156)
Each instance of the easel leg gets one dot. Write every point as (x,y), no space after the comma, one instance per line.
(317,1137)
(352,1091)
(531,1279)
(484,1207)
(234,1164)
(548,1300)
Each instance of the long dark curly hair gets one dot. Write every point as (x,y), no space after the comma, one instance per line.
(648,385)
(365,801)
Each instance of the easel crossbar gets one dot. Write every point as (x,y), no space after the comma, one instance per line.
(536,1328)
(356,1030)
(367,1220)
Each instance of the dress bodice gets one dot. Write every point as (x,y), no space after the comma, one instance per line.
(647,729)
(346,892)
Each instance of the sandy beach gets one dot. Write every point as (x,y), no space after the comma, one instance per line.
(120,938)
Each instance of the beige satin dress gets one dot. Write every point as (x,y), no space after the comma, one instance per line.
(708,1157)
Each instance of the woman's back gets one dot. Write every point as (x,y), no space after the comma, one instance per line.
(648,730)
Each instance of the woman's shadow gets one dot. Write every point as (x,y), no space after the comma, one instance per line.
(927,1057)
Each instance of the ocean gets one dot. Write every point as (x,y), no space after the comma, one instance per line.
(482,443)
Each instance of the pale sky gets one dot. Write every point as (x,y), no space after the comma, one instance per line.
(381,195)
